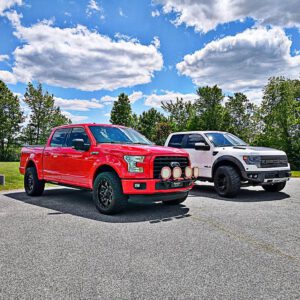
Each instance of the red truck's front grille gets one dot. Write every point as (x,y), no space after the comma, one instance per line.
(163,161)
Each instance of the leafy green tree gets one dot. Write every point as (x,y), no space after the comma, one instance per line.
(43,117)
(135,121)
(280,110)
(148,121)
(239,116)
(121,113)
(162,131)
(180,113)
(11,118)
(209,110)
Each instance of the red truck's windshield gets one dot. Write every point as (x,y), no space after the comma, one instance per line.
(105,134)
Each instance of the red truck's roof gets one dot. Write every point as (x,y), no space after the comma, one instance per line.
(89,124)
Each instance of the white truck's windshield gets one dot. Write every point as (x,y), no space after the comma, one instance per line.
(115,135)
(224,139)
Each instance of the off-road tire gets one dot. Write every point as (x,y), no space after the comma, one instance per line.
(108,194)
(33,186)
(276,187)
(227,181)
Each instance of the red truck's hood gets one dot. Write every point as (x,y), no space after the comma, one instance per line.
(141,149)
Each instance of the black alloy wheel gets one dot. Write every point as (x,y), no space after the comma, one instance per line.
(105,193)
(108,193)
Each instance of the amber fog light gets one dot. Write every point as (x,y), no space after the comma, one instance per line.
(196,172)
(177,172)
(165,173)
(188,172)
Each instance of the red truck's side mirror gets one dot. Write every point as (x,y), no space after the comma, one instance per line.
(78,144)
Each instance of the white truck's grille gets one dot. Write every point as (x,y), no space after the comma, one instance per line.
(274,161)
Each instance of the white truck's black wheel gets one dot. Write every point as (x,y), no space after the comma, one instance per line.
(227,181)
(33,186)
(276,187)
(108,195)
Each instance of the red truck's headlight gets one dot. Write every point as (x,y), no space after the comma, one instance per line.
(165,173)
(132,161)
(188,171)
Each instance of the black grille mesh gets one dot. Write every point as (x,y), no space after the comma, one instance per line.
(274,161)
(165,161)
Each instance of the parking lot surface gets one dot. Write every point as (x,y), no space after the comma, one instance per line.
(59,247)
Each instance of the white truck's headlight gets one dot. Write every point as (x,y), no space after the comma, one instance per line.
(132,160)
(252,160)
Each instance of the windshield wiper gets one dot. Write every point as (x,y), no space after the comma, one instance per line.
(138,143)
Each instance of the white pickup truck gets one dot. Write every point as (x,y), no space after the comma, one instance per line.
(230,163)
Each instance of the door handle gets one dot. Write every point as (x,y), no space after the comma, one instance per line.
(65,155)
(54,155)
(94,153)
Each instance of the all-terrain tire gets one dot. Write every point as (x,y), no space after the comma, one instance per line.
(227,181)
(108,194)
(33,186)
(276,187)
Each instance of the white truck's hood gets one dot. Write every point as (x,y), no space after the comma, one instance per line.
(249,150)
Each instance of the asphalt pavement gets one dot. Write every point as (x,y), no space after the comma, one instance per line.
(58,246)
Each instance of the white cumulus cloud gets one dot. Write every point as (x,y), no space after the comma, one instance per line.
(75,118)
(6,4)
(7,77)
(94,7)
(77,104)
(205,15)
(108,100)
(80,58)
(155,13)
(4,57)
(242,62)
(155,100)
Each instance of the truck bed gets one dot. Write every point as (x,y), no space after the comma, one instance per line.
(35,152)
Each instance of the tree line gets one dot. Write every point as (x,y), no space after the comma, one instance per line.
(273,123)
(18,128)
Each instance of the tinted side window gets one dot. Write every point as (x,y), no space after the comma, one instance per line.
(176,141)
(77,133)
(59,137)
(193,139)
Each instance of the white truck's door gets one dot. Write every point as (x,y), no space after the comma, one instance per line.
(199,158)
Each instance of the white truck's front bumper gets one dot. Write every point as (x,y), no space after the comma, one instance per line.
(267,177)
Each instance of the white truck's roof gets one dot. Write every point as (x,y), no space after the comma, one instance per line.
(191,132)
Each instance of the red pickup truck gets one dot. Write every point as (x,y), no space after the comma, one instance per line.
(115,162)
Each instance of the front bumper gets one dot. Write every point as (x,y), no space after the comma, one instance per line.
(158,197)
(267,177)
(155,186)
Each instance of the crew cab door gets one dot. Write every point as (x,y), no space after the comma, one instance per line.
(76,164)
(52,155)
(199,158)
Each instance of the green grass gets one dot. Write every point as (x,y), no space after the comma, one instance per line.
(14,180)
(296,174)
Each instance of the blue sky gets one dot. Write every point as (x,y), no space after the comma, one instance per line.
(87,52)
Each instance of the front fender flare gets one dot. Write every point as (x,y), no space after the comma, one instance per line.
(232,160)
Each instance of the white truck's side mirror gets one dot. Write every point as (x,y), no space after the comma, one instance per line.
(202,146)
